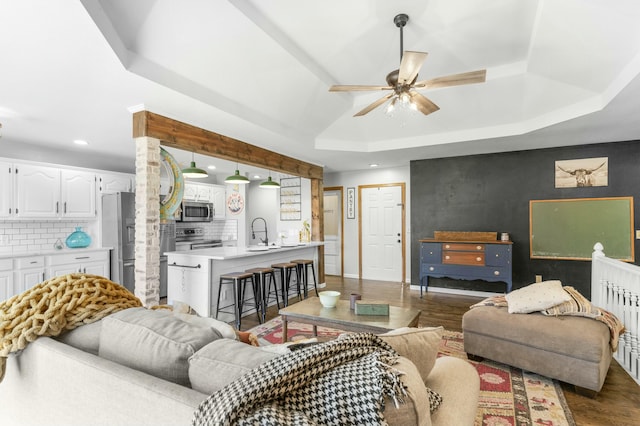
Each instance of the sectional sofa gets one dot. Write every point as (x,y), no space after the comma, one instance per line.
(144,367)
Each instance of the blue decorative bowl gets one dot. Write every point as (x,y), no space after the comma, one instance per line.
(78,239)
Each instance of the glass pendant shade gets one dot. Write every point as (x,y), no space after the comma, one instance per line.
(237,178)
(194,172)
(269,184)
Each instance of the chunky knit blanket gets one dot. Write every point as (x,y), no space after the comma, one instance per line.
(59,304)
(343,381)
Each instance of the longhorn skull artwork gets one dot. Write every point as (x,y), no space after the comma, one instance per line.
(584,176)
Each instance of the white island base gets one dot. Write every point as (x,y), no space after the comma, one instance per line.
(194,276)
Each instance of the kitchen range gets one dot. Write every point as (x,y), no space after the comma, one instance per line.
(194,239)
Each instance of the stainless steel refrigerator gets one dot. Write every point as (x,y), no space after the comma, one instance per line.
(119,232)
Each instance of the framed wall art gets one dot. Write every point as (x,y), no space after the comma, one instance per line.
(584,172)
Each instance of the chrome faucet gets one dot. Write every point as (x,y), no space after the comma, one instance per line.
(266,235)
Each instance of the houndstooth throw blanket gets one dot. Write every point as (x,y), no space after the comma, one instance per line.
(343,381)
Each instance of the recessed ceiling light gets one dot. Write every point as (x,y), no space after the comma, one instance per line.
(80,142)
(373,165)
(256,176)
(211,167)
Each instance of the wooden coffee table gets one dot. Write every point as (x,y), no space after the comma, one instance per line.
(310,311)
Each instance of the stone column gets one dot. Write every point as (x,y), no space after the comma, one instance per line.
(147,244)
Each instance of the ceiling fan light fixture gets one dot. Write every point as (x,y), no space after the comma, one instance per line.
(193,172)
(237,178)
(269,184)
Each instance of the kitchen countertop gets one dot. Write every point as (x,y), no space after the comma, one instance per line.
(52,252)
(226,253)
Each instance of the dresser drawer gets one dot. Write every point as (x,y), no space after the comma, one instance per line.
(6,264)
(463,247)
(29,262)
(462,258)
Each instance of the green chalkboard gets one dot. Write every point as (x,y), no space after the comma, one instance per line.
(568,229)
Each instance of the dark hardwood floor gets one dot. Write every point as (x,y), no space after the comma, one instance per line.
(618,403)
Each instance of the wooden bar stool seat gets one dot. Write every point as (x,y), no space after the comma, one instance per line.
(260,276)
(238,281)
(302,267)
(286,270)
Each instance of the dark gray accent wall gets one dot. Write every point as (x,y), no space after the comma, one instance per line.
(491,192)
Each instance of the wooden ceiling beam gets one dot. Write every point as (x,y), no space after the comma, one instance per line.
(176,134)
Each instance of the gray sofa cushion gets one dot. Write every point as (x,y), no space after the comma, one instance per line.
(153,342)
(221,362)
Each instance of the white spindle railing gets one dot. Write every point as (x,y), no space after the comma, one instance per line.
(615,286)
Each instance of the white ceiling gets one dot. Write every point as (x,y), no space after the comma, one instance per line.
(561,72)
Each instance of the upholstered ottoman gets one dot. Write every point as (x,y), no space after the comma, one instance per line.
(571,349)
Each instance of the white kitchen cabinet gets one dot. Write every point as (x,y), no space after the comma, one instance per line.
(49,192)
(218,198)
(37,191)
(201,192)
(78,193)
(109,183)
(6,279)
(29,271)
(6,190)
(94,262)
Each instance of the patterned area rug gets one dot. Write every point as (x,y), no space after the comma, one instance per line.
(508,395)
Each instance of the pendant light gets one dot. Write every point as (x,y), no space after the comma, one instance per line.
(237,178)
(194,172)
(269,184)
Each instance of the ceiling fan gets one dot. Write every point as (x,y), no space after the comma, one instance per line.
(402,82)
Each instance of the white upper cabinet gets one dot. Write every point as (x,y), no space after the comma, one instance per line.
(197,192)
(6,190)
(37,191)
(109,183)
(48,192)
(78,190)
(218,198)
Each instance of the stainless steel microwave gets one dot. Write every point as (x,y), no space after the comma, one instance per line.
(194,211)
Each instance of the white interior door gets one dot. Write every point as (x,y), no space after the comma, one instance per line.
(333,233)
(381,221)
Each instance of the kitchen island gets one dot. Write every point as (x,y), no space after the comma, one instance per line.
(194,275)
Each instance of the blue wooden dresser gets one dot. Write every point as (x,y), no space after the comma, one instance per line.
(465,260)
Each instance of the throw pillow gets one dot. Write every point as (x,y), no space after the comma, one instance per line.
(86,337)
(153,342)
(536,297)
(411,411)
(419,345)
(223,361)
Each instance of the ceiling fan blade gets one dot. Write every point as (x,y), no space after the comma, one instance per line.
(423,104)
(354,88)
(374,105)
(410,66)
(470,77)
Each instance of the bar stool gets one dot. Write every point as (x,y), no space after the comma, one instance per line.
(238,280)
(260,276)
(302,267)
(286,269)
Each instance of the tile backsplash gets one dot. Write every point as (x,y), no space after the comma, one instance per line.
(24,237)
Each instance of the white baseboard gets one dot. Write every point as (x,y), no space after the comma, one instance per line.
(351,276)
(458,291)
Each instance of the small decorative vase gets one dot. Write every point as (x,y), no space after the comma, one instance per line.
(58,244)
(78,239)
